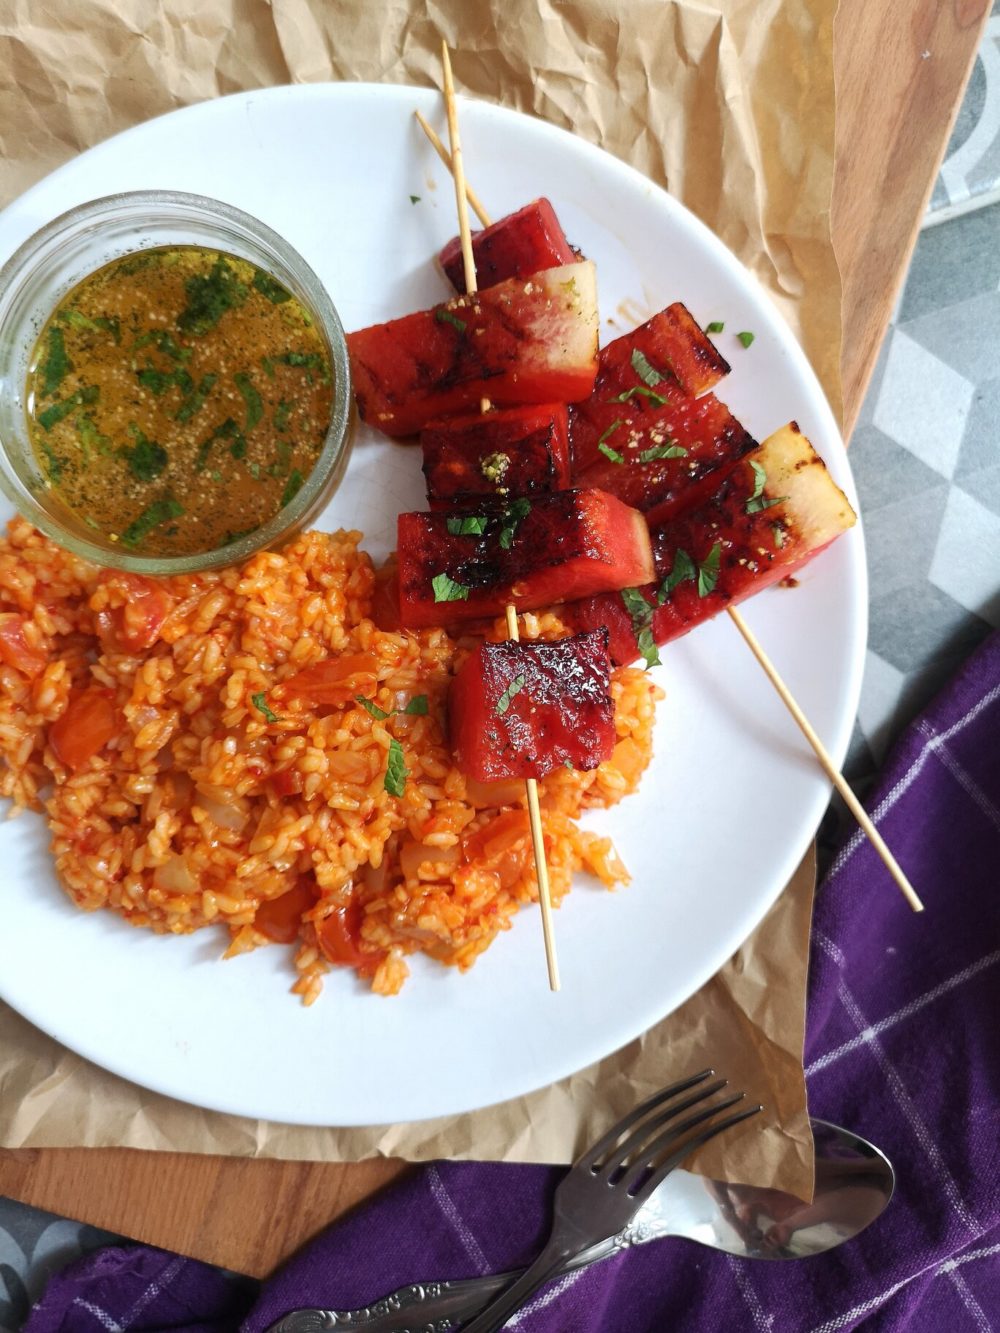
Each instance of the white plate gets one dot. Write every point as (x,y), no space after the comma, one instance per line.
(732,797)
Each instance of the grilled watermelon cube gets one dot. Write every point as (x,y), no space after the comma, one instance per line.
(520,451)
(777,509)
(520,710)
(518,245)
(519,342)
(661,459)
(531,553)
(669,349)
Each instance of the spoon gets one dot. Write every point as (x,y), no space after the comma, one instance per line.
(854,1183)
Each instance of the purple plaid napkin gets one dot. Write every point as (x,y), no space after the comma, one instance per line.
(903,1046)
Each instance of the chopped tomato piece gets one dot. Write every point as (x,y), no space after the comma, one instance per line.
(135,610)
(516,343)
(516,246)
(280,918)
(286,782)
(339,936)
(520,710)
(385,598)
(87,725)
(335,681)
(15,649)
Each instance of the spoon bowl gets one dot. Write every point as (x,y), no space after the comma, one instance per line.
(854,1183)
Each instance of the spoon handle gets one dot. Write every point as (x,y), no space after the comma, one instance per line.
(426,1307)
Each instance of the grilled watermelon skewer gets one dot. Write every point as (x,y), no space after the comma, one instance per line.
(776,510)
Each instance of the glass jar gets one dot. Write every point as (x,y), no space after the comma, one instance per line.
(64,252)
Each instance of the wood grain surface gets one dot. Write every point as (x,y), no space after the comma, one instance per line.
(901,69)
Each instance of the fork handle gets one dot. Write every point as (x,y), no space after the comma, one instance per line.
(496,1314)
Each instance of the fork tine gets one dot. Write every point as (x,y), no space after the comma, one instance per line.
(595,1153)
(641,1189)
(644,1131)
(646,1156)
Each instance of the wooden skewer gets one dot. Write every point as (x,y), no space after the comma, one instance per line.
(468,260)
(826,763)
(770,670)
(442,152)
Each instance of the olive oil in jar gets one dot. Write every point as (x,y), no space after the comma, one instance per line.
(177,399)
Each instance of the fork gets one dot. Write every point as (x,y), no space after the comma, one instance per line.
(614,1178)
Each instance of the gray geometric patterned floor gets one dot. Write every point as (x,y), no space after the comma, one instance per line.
(926,456)
(970,175)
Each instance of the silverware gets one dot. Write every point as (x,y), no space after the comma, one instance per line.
(854,1183)
(605,1188)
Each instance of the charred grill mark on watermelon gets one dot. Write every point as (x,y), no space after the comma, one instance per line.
(516,343)
(516,246)
(520,710)
(711,438)
(655,414)
(803,511)
(521,451)
(566,545)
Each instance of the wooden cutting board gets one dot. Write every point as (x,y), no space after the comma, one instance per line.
(901,69)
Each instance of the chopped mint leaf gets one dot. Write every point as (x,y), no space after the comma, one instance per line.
(472,526)
(757,506)
(642,624)
(649,376)
(682,569)
(292,487)
(417,707)
(53,463)
(379,714)
(146,459)
(414,198)
(91,438)
(156,381)
(194,400)
(444,316)
(227,431)
(281,414)
(606,449)
(515,687)
(745,338)
(271,288)
(759,482)
(670,450)
(209,296)
(259,702)
(708,570)
(396,771)
(76,319)
(56,365)
(655,398)
(447,590)
(255,407)
(59,411)
(160,511)
(716,326)
(512,517)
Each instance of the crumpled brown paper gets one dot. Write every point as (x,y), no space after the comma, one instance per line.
(729,103)
(747,1022)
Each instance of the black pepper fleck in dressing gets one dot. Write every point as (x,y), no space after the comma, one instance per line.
(177,399)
